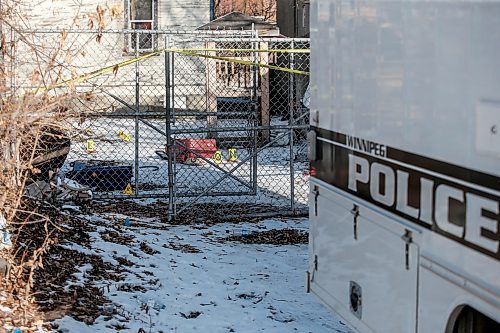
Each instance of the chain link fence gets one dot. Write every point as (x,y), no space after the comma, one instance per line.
(204,119)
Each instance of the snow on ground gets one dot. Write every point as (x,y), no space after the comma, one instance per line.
(188,278)
(273,171)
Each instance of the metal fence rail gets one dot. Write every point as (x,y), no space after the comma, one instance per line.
(220,120)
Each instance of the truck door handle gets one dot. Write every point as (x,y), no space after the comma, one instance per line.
(316,194)
(355,213)
(407,238)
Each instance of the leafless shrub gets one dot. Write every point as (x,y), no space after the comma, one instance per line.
(30,128)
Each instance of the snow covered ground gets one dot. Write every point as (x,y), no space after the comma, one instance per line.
(192,278)
(197,276)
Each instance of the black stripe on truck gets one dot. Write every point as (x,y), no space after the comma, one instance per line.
(454,201)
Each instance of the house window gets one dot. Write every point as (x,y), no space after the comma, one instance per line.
(142,15)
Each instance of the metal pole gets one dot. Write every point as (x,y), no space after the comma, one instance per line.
(255,115)
(172,123)
(291,93)
(172,84)
(171,211)
(137,104)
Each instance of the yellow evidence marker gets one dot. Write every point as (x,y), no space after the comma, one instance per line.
(233,155)
(128,190)
(124,136)
(217,158)
(90,146)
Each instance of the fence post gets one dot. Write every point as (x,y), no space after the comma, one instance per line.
(169,149)
(256,116)
(137,105)
(291,102)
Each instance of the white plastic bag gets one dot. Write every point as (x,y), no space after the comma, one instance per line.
(5,241)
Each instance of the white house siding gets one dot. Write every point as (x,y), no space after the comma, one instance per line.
(112,49)
(59,14)
(190,72)
(183,14)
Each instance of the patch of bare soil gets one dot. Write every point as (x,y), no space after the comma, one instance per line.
(59,293)
(274,237)
(185,248)
(201,214)
(133,209)
(129,288)
(215,213)
(123,261)
(190,315)
(56,290)
(115,237)
(147,249)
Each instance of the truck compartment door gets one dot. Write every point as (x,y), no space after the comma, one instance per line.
(364,264)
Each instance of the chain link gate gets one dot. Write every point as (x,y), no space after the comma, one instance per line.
(141,130)
(219,122)
(254,116)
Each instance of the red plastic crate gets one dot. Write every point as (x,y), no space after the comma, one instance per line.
(203,147)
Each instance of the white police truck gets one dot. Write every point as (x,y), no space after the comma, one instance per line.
(405,164)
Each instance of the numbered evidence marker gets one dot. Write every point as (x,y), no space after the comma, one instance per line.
(233,155)
(128,190)
(217,158)
(124,136)
(90,146)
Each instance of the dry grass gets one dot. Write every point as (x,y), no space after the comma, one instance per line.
(29,126)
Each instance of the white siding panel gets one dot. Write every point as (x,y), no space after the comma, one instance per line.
(183,14)
(62,14)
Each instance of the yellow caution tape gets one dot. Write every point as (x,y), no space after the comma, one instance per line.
(191,52)
(241,50)
(97,72)
(244,62)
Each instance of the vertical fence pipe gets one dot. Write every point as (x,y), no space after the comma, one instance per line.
(172,123)
(137,103)
(291,92)
(256,109)
(171,210)
(172,85)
